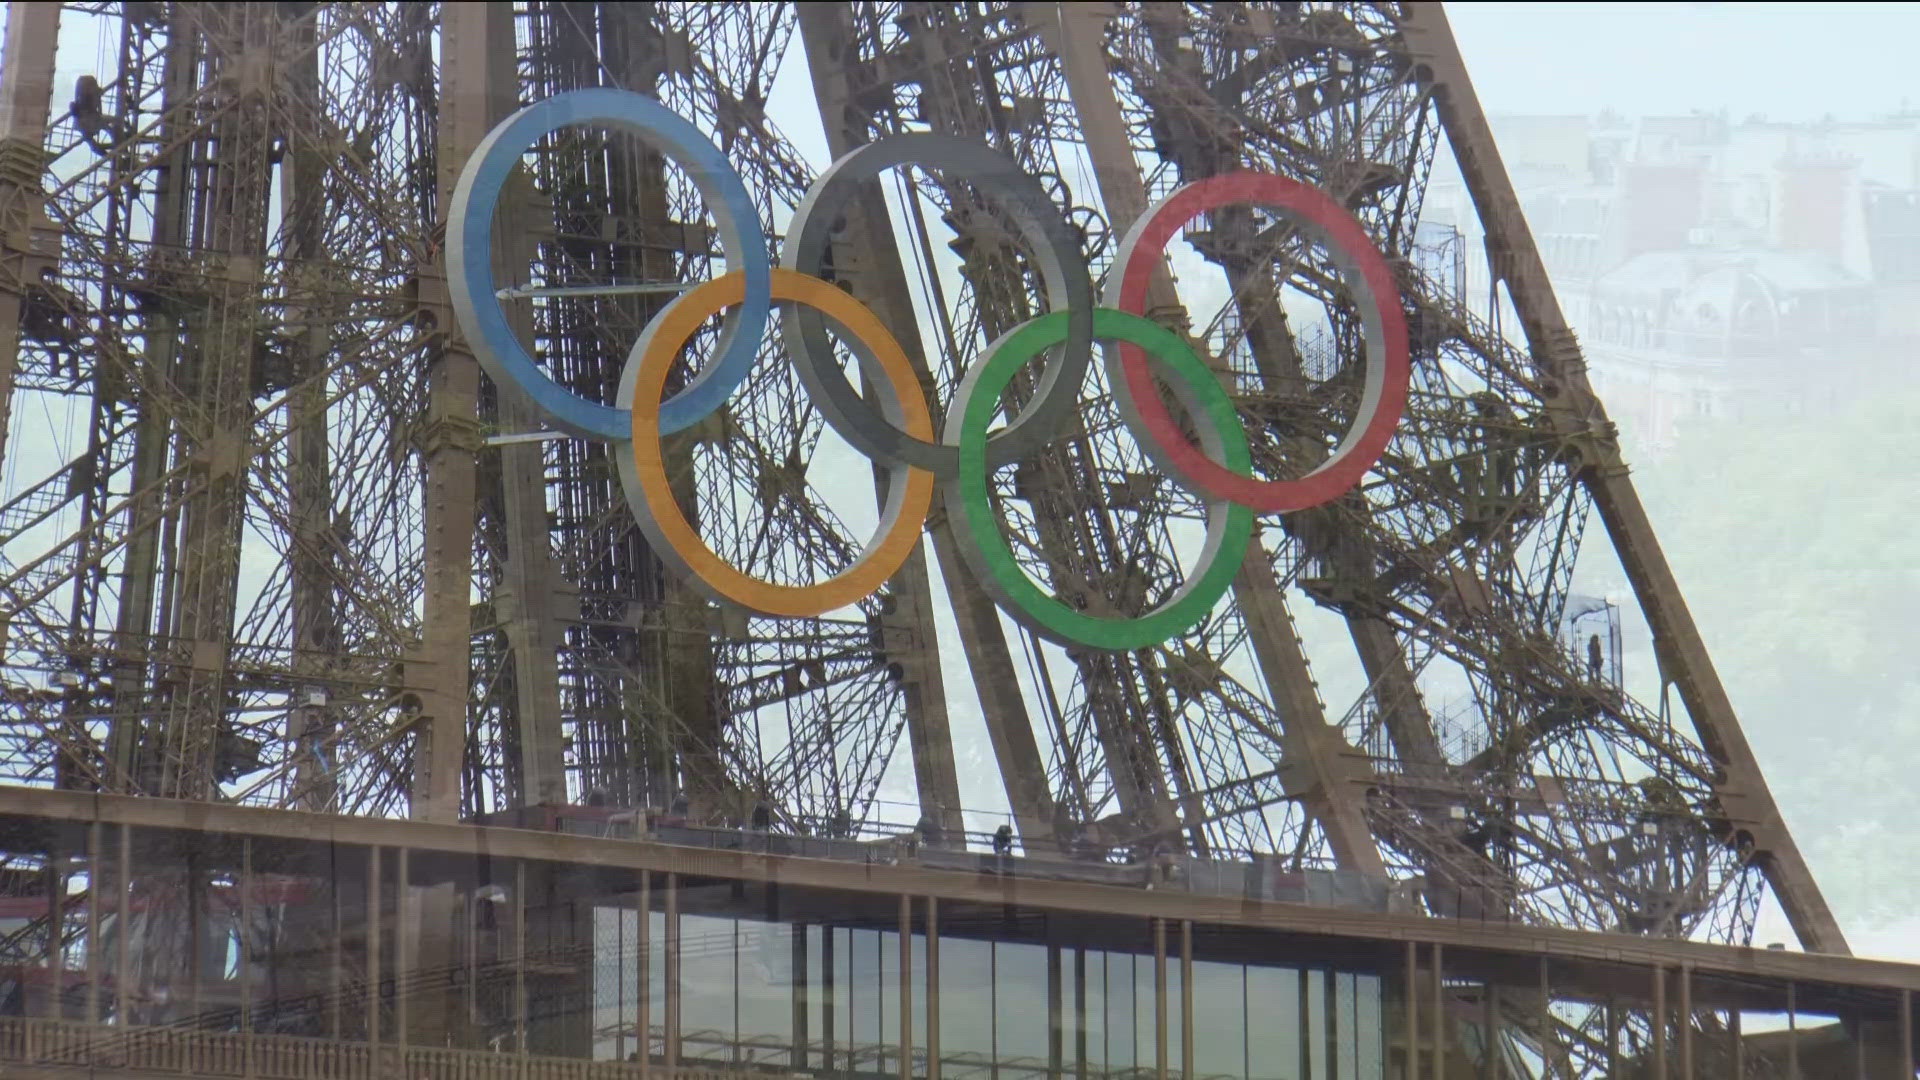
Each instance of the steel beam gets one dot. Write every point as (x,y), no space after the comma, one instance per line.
(227,254)
(1578,416)
(26,73)
(528,595)
(825,32)
(310,480)
(26,93)
(39,812)
(136,622)
(1334,774)
(474,38)
(1396,694)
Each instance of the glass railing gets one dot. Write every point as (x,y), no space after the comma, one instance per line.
(1249,878)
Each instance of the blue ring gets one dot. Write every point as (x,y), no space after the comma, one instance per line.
(470,258)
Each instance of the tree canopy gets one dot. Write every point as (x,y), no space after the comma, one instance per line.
(1795,543)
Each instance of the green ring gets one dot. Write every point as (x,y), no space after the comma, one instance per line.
(1229,526)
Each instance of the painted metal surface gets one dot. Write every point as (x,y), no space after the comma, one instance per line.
(1229,526)
(644,473)
(899,435)
(1056,261)
(1383,395)
(470,257)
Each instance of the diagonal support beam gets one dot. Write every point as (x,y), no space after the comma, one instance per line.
(1334,783)
(1577,412)
(825,30)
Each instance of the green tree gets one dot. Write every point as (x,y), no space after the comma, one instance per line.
(1797,545)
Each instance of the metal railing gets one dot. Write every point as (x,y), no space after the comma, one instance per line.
(1250,878)
(57,1044)
(191,1052)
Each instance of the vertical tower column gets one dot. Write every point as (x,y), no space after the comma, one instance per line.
(1331,768)
(825,31)
(26,92)
(474,38)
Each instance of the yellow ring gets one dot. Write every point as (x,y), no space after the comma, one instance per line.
(676,540)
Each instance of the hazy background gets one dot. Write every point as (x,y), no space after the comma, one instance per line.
(1774,440)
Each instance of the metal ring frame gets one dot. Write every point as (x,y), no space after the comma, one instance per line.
(1056,258)
(898,432)
(470,257)
(1389,367)
(643,470)
(977,531)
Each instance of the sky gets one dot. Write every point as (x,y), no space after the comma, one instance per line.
(1785,61)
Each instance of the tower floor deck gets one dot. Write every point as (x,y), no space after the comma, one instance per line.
(546,982)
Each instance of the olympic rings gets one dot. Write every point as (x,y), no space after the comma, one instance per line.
(1057,259)
(643,472)
(977,530)
(897,431)
(1389,367)
(470,257)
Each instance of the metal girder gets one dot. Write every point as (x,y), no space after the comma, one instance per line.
(43,810)
(315,615)
(1335,787)
(1222,731)
(1579,415)
(1335,778)
(26,91)
(527,600)
(824,30)
(476,38)
(217,367)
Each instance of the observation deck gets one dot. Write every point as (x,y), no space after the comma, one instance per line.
(328,946)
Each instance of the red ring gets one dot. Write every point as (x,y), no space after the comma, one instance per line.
(1340,231)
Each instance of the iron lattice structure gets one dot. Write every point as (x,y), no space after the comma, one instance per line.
(263,544)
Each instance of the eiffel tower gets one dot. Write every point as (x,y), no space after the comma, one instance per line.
(271,538)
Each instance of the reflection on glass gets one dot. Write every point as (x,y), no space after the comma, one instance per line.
(1274,1047)
(707,1006)
(1119,975)
(616,990)
(859,994)
(1020,1009)
(815,1010)
(887,1040)
(767,995)
(765,989)
(1369,1028)
(1175,1037)
(1315,1023)
(917,977)
(1220,1020)
(656,1034)
(966,1003)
